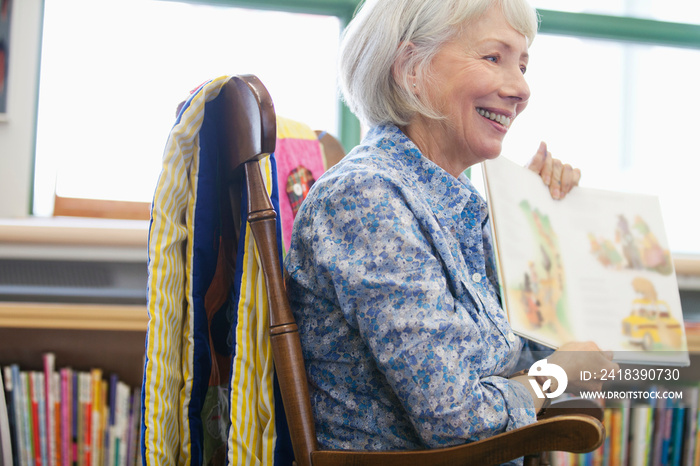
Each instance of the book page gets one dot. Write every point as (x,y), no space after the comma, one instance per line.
(594,266)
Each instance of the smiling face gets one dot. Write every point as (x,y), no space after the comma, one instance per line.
(477,84)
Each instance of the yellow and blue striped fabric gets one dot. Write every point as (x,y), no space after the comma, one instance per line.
(209,392)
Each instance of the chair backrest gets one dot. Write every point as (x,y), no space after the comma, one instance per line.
(250,135)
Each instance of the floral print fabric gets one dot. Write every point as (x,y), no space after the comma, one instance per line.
(391,278)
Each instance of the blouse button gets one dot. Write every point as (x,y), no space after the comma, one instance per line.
(511,337)
(476,277)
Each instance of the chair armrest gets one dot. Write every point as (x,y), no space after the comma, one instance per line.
(576,434)
(574,406)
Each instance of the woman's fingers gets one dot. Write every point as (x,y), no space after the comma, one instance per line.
(569,178)
(555,187)
(560,178)
(541,163)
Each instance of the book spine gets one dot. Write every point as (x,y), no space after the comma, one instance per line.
(20,413)
(104,422)
(696,453)
(691,425)
(87,415)
(668,427)
(659,429)
(607,424)
(75,417)
(134,427)
(66,411)
(121,421)
(139,458)
(80,417)
(95,388)
(56,387)
(33,411)
(5,433)
(649,436)
(39,385)
(639,425)
(677,434)
(615,440)
(624,435)
(49,360)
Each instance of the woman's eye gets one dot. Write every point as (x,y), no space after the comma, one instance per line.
(523,69)
(492,58)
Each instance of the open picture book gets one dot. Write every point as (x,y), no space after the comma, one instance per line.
(594,266)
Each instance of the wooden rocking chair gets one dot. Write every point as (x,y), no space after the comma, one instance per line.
(250,135)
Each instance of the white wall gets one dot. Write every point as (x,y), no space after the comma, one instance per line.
(17,133)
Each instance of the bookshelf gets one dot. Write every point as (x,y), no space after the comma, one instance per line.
(82,335)
(112,337)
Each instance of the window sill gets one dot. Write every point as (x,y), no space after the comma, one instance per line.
(133,234)
(69,238)
(74,231)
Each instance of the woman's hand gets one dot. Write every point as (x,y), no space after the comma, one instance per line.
(573,358)
(560,178)
(576,357)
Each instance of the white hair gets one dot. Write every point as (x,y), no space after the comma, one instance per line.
(384,30)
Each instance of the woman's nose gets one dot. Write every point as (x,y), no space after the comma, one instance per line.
(515,86)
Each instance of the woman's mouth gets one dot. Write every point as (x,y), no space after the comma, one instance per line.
(501,119)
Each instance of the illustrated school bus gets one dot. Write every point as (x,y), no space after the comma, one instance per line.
(650,323)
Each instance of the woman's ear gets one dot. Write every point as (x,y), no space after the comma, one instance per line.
(403,70)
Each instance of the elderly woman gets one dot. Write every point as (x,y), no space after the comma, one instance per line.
(391,267)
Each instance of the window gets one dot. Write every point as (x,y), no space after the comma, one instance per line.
(622,111)
(625,114)
(114,71)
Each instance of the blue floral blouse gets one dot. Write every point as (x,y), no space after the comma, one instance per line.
(391,280)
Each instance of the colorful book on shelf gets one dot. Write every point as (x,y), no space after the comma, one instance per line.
(5,433)
(66,374)
(20,415)
(49,362)
(614,433)
(133,431)
(32,411)
(690,397)
(83,380)
(640,430)
(605,447)
(56,386)
(676,443)
(39,386)
(17,403)
(121,422)
(594,266)
(619,434)
(696,453)
(668,428)
(104,420)
(662,414)
(95,414)
(111,444)
(75,417)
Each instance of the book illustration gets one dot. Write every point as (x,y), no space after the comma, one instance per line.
(635,247)
(650,323)
(595,266)
(543,297)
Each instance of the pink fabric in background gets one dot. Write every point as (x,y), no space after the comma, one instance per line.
(291,153)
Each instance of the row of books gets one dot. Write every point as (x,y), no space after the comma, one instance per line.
(656,432)
(66,417)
